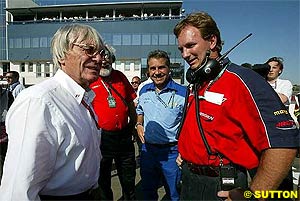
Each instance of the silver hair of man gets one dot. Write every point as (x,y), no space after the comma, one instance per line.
(65,36)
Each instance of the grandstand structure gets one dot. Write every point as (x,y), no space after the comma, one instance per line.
(133,28)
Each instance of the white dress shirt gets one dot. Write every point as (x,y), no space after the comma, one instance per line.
(54,144)
(284,87)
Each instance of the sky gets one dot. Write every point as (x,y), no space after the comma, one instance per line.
(273,23)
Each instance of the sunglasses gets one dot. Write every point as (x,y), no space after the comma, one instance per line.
(277,59)
(91,50)
(135,82)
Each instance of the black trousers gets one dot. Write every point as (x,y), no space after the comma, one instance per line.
(85,196)
(117,146)
(201,187)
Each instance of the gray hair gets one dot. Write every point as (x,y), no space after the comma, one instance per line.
(65,36)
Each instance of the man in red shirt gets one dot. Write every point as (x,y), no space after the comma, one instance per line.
(234,121)
(115,109)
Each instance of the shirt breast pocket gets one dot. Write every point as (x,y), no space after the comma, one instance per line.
(171,116)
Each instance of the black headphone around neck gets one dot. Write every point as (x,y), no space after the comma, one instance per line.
(210,67)
(207,71)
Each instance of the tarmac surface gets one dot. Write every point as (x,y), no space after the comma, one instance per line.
(161,192)
(117,191)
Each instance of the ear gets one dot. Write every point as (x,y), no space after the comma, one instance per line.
(62,62)
(213,42)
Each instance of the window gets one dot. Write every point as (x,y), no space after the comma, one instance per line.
(26,42)
(154,39)
(172,39)
(38,70)
(107,37)
(11,43)
(118,65)
(163,39)
(22,67)
(137,65)
(126,39)
(47,70)
(136,39)
(144,62)
(18,43)
(146,39)
(49,41)
(35,42)
(43,42)
(127,66)
(30,67)
(117,40)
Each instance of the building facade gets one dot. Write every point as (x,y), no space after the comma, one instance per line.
(133,28)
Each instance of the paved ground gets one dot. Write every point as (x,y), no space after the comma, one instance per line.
(117,188)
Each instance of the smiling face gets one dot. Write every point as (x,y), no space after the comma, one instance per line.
(80,66)
(275,71)
(193,47)
(158,71)
(78,50)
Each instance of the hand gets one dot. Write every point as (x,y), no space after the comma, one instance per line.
(179,160)
(141,134)
(224,194)
(234,194)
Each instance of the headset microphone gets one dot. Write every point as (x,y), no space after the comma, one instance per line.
(210,68)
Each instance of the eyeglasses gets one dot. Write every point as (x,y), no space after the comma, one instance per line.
(91,50)
(135,82)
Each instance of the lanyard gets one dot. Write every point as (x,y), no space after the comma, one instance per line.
(212,82)
(197,111)
(91,112)
(108,91)
(163,102)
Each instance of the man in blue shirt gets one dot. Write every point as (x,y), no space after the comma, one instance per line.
(159,112)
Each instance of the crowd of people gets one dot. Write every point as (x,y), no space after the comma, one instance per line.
(59,138)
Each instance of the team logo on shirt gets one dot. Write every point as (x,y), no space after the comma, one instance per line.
(286,125)
(206,117)
(280,112)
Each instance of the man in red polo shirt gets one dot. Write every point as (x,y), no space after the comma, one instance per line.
(234,121)
(115,109)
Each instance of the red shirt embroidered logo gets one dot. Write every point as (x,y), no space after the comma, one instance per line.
(286,125)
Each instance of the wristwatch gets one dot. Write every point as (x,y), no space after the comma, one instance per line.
(138,124)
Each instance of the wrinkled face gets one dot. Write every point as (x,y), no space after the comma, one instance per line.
(106,69)
(193,47)
(274,70)
(158,71)
(82,63)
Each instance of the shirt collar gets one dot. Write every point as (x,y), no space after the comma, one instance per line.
(73,87)
(225,61)
(169,87)
(12,86)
